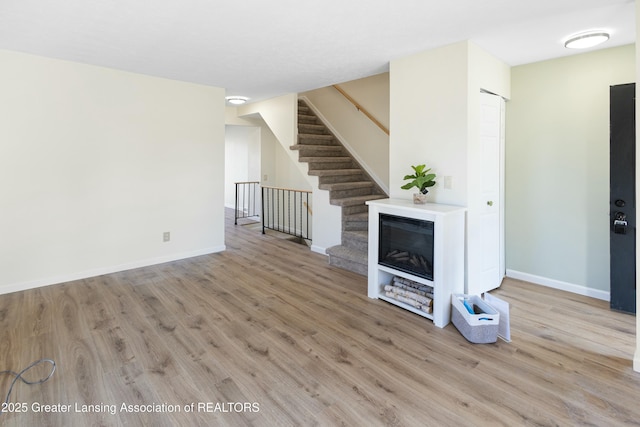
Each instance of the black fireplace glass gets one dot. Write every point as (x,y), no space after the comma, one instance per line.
(406,244)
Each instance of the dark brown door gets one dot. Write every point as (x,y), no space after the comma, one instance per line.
(623,206)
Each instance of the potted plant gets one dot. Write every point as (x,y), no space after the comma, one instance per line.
(422,180)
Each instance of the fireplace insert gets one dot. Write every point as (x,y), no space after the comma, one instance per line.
(406,244)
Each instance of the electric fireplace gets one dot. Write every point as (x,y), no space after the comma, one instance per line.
(423,244)
(406,244)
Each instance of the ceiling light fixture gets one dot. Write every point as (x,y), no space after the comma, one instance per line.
(236,100)
(586,40)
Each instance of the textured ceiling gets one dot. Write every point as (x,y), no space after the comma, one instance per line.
(263,48)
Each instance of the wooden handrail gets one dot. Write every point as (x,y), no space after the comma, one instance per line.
(362,109)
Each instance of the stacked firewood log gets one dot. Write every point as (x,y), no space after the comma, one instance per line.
(409,292)
(403,257)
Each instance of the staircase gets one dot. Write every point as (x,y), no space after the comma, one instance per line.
(348,184)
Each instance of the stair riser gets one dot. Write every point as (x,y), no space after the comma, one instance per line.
(323,154)
(355,244)
(312,152)
(358,268)
(330,165)
(355,225)
(312,129)
(307,120)
(352,192)
(315,140)
(350,210)
(337,186)
(333,179)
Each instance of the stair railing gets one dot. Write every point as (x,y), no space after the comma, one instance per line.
(287,211)
(247,194)
(362,109)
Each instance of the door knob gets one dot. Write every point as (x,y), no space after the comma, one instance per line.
(490,203)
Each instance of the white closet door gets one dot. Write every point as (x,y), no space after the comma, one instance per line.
(486,241)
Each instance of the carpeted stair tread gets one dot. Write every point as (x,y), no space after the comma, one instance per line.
(346,185)
(317,147)
(332,172)
(318,136)
(311,139)
(312,128)
(357,200)
(325,159)
(362,216)
(348,253)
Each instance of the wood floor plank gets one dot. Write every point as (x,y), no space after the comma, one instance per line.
(269,326)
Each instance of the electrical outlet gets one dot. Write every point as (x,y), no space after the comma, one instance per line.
(265,177)
(166,236)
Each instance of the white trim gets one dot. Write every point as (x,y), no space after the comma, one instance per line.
(636,361)
(344,142)
(15,287)
(319,249)
(503,164)
(557,284)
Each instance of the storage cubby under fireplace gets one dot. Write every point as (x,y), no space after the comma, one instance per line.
(406,244)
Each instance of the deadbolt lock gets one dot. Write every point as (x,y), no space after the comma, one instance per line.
(620,223)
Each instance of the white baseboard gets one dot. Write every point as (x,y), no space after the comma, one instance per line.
(318,249)
(557,284)
(15,287)
(636,360)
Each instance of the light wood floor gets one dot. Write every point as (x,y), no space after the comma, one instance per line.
(270,324)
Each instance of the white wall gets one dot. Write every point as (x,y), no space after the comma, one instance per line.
(364,140)
(269,162)
(557,153)
(428,120)
(285,173)
(242,158)
(95,164)
(434,115)
(280,115)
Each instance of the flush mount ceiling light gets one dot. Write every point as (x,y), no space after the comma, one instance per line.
(585,40)
(236,100)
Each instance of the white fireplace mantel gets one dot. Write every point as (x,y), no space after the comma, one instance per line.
(448,257)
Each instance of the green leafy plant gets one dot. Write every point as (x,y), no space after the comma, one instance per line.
(420,179)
